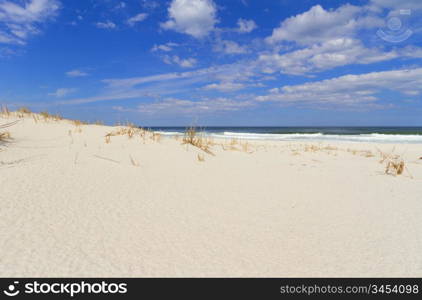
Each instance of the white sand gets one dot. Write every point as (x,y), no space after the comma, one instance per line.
(72,205)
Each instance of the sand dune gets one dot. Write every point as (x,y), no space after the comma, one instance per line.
(73,205)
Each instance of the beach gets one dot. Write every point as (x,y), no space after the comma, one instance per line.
(83,200)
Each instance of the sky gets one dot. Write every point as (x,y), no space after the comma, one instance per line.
(215,62)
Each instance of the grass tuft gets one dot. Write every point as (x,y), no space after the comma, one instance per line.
(394,163)
(4,110)
(24,110)
(4,136)
(47,116)
(130,130)
(191,137)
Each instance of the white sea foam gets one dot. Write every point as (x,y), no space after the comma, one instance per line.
(170,133)
(373,137)
(270,136)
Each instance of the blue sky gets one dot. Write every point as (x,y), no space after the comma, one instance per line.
(215,62)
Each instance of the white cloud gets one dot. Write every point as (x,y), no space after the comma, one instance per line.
(326,39)
(318,25)
(224,86)
(394,4)
(9,39)
(173,105)
(161,47)
(184,63)
(331,54)
(164,47)
(319,57)
(127,83)
(150,4)
(229,72)
(169,83)
(411,51)
(229,47)
(246,26)
(106,25)
(193,17)
(22,20)
(62,92)
(138,18)
(76,73)
(31,11)
(349,90)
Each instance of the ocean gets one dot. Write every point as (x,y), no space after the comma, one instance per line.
(348,134)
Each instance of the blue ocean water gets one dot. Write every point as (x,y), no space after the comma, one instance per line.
(350,134)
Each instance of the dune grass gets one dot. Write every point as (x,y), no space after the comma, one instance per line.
(49,117)
(394,163)
(5,135)
(132,131)
(24,110)
(239,145)
(4,110)
(191,137)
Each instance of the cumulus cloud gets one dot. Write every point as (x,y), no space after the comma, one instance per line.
(76,73)
(136,19)
(318,25)
(323,39)
(184,63)
(21,20)
(349,90)
(319,57)
(193,17)
(246,26)
(229,47)
(106,25)
(331,54)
